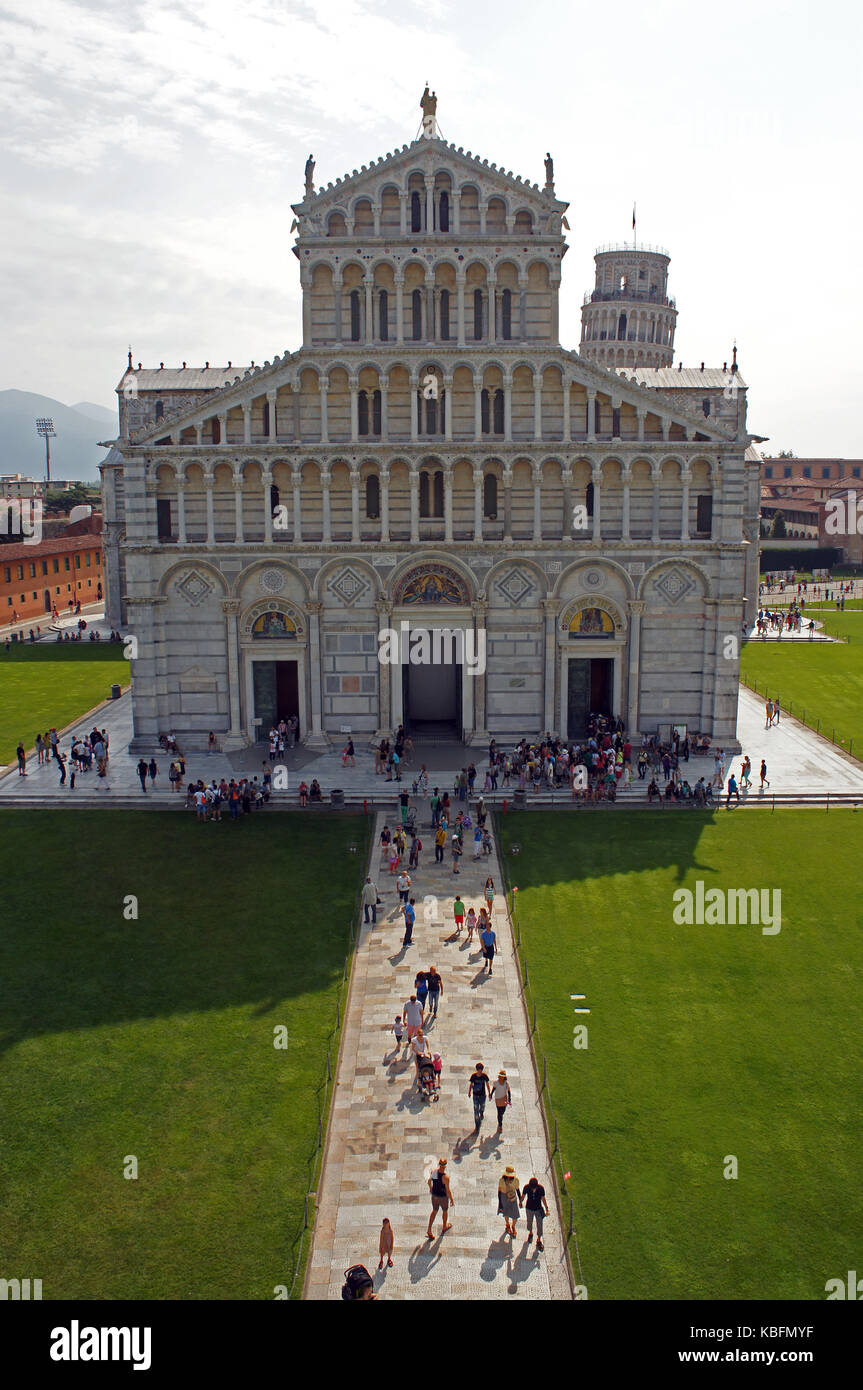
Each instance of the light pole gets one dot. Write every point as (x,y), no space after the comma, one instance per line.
(46,428)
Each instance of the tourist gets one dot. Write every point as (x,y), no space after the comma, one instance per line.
(536,1209)
(421,986)
(348,753)
(22,758)
(142,773)
(403,884)
(413,1016)
(764,781)
(419,1049)
(385,1244)
(471,923)
(441,1197)
(458,914)
(488,939)
(416,846)
(315,793)
(478,1088)
(409,914)
(200,803)
(502,1097)
(61,759)
(508,1199)
(153,770)
(477,843)
(439,844)
(732,791)
(745,772)
(768,714)
(456,852)
(398,1032)
(303,793)
(435,990)
(435,804)
(776,711)
(40,750)
(489,894)
(370,900)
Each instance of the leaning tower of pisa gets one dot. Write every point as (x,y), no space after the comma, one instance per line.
(627,319)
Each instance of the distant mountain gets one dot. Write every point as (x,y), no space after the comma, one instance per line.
(75,452)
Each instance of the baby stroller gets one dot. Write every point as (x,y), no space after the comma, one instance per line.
(426,1079)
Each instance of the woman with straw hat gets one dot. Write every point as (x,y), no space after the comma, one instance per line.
(508,1198)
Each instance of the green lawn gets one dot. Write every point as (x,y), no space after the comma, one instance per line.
(704,1042)
(51,683)
(824,679)
(154,1038)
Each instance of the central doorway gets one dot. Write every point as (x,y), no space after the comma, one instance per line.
(432,699)
(590,690)
(277,693)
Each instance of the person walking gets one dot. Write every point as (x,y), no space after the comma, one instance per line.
(153,770)
(370,900)
(421,985)
(439,843)
(409,914)
(768,714)
(441,1197)
(403,884)
(776,711)
(489,940)
(732,791)
(764,781)
(386,1245)
(502,1097)
(488,891)
(479,1089)
(413,1016)
(142,774)
(435,990)
(458,914)
(456,853)
(745,771)
(536,1209)
(22,758)
(508,1199)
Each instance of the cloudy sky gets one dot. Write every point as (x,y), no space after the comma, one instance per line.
(150,153)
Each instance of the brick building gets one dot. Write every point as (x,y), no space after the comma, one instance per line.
(36,578)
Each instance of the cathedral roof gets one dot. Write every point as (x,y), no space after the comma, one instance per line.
(182,378)
(681,378)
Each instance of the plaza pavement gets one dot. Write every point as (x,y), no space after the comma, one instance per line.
(384,1140)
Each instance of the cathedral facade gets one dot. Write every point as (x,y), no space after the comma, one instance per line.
(432,460)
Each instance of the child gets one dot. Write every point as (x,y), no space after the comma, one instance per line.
(385,1245)
(394,857)
(471,923)
(438,1067)
(458,914)
(486,842)
(398,1031)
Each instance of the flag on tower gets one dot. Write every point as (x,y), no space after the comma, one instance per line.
(633,216)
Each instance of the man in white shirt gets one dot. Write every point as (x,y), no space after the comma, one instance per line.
(413,1017)
(370,900)
(403,883)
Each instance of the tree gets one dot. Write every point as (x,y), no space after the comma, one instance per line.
(786,454)
(779,531)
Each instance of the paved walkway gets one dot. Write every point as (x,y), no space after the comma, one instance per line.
(384,1139)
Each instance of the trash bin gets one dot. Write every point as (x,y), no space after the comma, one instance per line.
(337,797)
(115,692)
(519,797)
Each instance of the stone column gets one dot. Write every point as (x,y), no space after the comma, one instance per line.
(554,286)
(596,479)
(507,409)
(325,427)
(626,477)
(376,214)
(337,306)
(429,183)
(477,504)
(536,473)
(317,738)
(537,405)
(384,383)
(591,417)
(295,393)
(483,209)
(460,289)
(209,484)
(456,210)
(550,609)
(223,430)
(429,299)
(480,614)
(635,610)
(656,477)
(355,409)
(492,311)
(355,506)
(385,504)
(400,310)
(181,511)
(272,402)
(235,737)
(446,408)
(238,506)
(297,481)
(403,212)
(642,416)
(384,610)
(369,334)
(415,506)
(522,309)
(267,480)
(414,383)
(507,504)
(247,424)
(306,290)
(326,481)
(447,502)
(567,534)
(685,480)
(567,417)
(477,413)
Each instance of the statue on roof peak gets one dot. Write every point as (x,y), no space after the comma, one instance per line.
(310,175)
(429,110)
